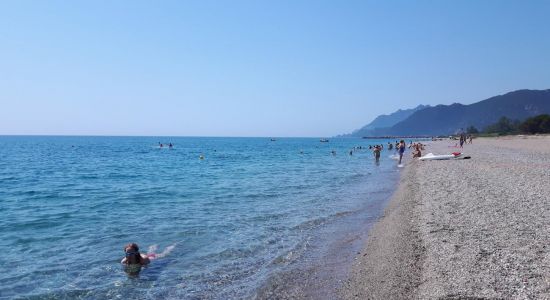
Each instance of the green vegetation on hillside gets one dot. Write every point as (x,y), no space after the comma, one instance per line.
(533,125)
(538,124)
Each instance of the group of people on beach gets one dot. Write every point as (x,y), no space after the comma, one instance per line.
(417,149)
(464,139)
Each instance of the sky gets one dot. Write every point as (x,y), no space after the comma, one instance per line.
(256,68)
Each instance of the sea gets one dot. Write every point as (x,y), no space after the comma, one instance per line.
(230,218)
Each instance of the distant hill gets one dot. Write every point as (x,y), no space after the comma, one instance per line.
(448,119)
(383,122)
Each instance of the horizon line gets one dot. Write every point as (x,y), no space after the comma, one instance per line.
(162,136)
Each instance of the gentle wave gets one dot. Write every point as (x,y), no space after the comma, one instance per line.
(245,212)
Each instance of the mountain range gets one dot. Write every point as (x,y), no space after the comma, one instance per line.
(386,121)
(449,119)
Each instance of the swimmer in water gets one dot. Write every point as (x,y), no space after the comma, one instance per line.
(133,260)
(133,257)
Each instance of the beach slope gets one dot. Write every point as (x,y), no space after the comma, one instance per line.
(465,228)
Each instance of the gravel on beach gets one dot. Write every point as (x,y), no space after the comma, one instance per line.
(465,228)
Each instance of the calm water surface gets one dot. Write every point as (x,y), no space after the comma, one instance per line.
(236,218)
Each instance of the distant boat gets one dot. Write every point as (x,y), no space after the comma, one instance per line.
(323,140)
(273,140)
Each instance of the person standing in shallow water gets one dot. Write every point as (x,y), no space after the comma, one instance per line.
(401,150)
(376,152)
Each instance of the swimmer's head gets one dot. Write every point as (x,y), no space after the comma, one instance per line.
(131,247)
(132,253)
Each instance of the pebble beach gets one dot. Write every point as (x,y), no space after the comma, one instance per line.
(465,228)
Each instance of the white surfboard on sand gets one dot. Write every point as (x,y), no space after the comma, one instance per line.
(431,156)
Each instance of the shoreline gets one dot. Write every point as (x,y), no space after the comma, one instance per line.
(323,266)
(463,228)
(378,272)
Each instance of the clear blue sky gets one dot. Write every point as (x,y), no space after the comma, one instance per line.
(257,68)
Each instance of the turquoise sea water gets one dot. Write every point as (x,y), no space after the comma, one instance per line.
(241,215)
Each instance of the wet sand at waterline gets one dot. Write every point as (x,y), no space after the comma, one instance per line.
(476,227)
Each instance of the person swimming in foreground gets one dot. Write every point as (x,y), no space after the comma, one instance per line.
(134,257)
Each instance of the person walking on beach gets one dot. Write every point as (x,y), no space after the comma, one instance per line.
(401,150)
